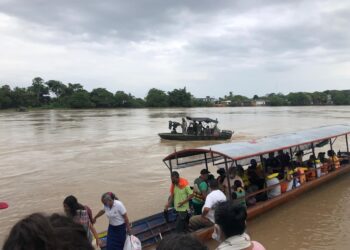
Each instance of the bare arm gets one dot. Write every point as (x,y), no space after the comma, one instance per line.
(170,200)
(92,229)
(205,212)
(127,223)
(100,213)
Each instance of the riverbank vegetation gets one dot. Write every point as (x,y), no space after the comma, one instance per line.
(55,94)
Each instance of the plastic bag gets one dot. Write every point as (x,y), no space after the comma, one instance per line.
(132,243)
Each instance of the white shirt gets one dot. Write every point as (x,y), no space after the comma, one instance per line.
(213,198)
(276,191)
(115,214)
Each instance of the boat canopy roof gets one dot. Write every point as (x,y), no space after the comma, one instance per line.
(250,149)
(201,119)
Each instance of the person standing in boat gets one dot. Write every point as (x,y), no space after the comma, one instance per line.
(184,126)
(180,195)
(118,221)
(200,191)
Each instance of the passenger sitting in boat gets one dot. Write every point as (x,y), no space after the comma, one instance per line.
(207,131)
(244,176)
(180,195)
(230,225)
(221,178)
(200,191)
(240,193)
(180,242)
(283,158)
(333,161)
(255,176)
(271,179)
(232,175)
(184,126)
(206,219)
(299,157)
(200,128)
(272,161)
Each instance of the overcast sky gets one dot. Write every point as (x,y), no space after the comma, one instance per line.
(211,47)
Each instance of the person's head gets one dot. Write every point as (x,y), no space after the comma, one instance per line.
(269,170)
(213,184)
(204,174)
(180,242)
(232,172)
(240,170)
(230,219)
(237,184)
(175,177)
(183,119)
(107,199)
(221,171)
(253,163)
(69,235)
(31,233)
(330,153)
(271,154)
(280,152)
(71,205)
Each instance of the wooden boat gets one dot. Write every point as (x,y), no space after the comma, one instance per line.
(232,154)
(208,131)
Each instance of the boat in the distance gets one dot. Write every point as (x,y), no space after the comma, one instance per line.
(196,129)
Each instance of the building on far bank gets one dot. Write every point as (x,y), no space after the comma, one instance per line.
(258,102)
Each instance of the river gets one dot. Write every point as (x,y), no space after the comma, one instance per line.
(46,155)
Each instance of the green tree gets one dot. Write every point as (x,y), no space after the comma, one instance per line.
(80,99)
(299,99)
(57,88)
(157,98)
(40,91)
(276,99)
(122,99)
(180,98)
(102,98)
(5,97)
(319,98)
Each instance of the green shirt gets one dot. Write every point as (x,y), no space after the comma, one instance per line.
(203,187)
(181,195)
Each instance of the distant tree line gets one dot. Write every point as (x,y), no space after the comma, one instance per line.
(55,94)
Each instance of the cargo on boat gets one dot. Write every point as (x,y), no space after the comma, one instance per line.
(297,177)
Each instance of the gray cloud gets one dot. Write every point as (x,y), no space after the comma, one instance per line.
(171,42)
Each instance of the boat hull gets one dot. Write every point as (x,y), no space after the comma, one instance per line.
(225,135)
(158,225)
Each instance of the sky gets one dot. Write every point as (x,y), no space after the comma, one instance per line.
(209,47)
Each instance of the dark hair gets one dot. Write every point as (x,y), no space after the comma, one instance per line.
(73,204)
(175,174)
(213,184)
(180,242)
(69,235)
(231,218)
(237,184)
(31,233)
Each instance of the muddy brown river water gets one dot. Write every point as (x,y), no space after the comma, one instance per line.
(47,155)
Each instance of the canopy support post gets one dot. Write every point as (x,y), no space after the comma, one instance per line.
(347,146)
(206,161)
(170,168)
(228,180)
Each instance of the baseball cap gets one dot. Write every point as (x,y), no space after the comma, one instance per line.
(205,171)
